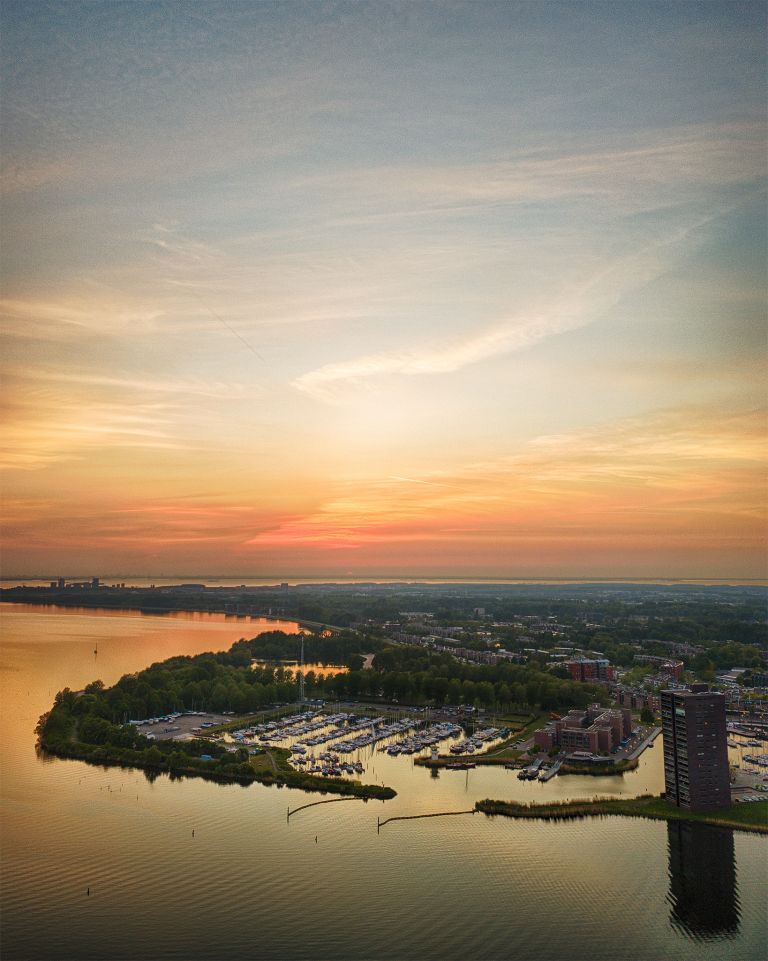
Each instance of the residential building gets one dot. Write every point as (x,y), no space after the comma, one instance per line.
(598,730)
(696,772)
(732,676)
(666,665)
(590,669)
(637,700)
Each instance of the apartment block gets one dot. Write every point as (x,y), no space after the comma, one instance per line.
(597,730)
(696,772)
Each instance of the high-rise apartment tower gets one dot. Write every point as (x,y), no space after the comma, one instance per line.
(696,773)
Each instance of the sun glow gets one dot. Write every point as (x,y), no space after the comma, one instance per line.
(384,311)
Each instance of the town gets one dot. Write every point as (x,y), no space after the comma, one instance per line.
(549,681)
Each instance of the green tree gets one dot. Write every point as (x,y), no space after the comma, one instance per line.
(647,716)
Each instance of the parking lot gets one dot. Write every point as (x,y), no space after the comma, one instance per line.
(181,728)
(748,786)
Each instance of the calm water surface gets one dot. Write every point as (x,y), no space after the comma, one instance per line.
(251,884)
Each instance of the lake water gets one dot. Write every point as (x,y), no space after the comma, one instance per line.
(326,884)
(134,580)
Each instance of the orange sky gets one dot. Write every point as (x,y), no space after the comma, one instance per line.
(322,295)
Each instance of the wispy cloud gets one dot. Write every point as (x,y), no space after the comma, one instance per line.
(688,473)
(334,266)
(49,420)
(647,168)
(188,387)
(576,307)
(148,527)
(43,433)
(66,319)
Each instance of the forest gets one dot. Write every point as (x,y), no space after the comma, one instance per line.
(231,681)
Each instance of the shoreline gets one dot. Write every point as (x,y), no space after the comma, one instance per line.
(155,611)
(646,806)
(278,772)
(235,581)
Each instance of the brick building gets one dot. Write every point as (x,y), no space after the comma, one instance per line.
(636,700)
(598,729)
(590,669)
(664,665)
(696,773)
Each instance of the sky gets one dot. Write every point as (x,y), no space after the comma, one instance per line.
(397,289)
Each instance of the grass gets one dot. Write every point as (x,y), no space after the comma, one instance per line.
(511,719)
(479,760)
(273,767)
(741,817)
(505,751)
(501,754)
(597,769)
(268,767)
(261,763)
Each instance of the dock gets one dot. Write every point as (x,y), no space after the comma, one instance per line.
(551,771)
(646,742)
(531,772)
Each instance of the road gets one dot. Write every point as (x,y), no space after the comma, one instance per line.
(646,742)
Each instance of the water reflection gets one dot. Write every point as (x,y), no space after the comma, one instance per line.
(292,666)
(127,833)
(702,881)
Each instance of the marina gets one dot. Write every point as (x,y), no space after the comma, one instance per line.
(343,733)
(348,733)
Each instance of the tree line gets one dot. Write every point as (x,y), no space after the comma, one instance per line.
(231,681)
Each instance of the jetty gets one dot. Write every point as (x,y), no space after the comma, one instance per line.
(414,817)
(551,771)
(333,800)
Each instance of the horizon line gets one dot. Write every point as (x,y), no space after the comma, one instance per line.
(405,578)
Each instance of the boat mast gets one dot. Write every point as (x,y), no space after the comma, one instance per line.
(301,673)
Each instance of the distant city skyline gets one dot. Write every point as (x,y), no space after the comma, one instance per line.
(471,289)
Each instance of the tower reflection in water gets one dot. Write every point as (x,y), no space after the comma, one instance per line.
(702,881)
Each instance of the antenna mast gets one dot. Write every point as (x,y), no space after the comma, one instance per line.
(301,673)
